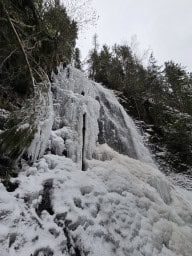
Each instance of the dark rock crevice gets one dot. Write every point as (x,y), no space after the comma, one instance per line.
(10,186)
(46,199)
(72,248)
(43,252)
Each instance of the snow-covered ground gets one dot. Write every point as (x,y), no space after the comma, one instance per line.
(121,205)
(117,207)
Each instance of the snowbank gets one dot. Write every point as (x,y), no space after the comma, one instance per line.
(117,207)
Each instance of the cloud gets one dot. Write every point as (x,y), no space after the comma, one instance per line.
(165,26)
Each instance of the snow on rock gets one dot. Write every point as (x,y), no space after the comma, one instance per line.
(116,207)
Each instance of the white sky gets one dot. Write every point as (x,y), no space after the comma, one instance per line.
(164,26)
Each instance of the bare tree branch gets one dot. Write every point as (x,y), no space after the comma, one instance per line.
(18,22)
(3,62)
(21,23)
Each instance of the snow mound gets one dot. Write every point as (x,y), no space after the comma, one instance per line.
(120,206)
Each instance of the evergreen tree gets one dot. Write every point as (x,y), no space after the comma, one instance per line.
(103,66)
(93,60)
(77,61)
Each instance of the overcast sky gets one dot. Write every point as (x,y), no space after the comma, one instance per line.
(164,26)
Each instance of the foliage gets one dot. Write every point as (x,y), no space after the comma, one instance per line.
(34,37)
(76,59)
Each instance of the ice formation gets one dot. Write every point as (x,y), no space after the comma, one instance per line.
(43,112)
(121,205)
(76,97)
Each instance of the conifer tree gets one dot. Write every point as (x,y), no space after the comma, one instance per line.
(77,61)
(93,60)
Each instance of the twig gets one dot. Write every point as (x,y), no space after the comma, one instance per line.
(18,23)
(9,56)
(21,23)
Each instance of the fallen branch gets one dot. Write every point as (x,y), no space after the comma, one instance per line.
(18,23)
(9,56)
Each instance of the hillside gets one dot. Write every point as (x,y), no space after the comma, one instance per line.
(118,206)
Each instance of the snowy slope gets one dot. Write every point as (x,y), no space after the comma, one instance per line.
(119,206)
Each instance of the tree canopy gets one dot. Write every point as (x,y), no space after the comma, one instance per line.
(34,37)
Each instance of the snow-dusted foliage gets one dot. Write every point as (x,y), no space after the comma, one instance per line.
(25,128)
(119,206)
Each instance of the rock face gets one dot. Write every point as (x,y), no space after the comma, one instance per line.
(91,115)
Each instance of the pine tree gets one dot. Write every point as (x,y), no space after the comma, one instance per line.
(177,79)
(93,60)
(77,61)
(103,67)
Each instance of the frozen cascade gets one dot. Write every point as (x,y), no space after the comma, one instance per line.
(43,112)
(106,121)
(120,206)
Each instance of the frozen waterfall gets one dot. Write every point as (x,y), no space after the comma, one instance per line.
(79,101)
